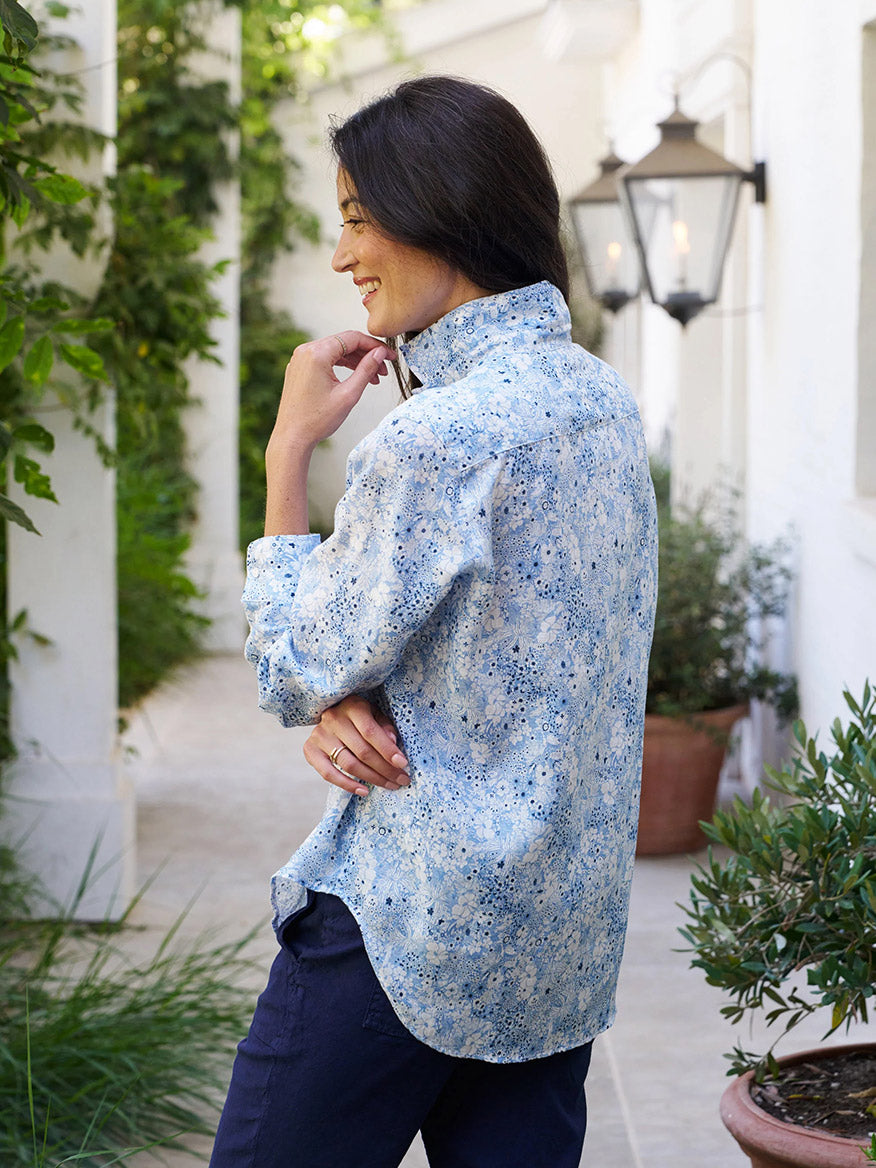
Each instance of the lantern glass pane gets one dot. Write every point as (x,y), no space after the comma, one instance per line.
(684,226)
(610,261)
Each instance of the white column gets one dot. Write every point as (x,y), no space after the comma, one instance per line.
(214,559)
(65,794)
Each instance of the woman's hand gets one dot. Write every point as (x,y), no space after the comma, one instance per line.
(364,746)
(314,401)
(313,404)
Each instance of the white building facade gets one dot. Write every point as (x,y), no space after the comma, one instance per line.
(774,387)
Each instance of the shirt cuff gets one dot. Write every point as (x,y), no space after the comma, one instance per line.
(271,561)
(280,552)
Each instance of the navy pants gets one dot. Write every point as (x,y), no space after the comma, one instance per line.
(329,1078)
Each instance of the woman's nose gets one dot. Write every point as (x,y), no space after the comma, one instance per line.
(343,257)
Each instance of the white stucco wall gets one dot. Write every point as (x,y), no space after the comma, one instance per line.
(774,386)
(553,74)
(214,560)
(804,375)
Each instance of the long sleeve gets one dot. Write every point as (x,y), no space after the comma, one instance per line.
(327,620)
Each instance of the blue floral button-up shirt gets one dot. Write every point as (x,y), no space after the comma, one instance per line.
(491,582)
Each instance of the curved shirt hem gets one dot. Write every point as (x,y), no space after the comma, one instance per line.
(409,1023)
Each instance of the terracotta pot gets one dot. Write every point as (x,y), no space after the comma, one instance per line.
(680,769)
(771,1143)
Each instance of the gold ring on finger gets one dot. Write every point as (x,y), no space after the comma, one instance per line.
(336,754)
(342,343)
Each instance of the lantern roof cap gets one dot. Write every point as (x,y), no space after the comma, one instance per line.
(604,188)
(680,155)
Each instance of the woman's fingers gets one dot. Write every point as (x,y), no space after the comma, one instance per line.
(314,401)
(346,771)
(323,766)
(351,752)
(362,728)
(349,346)
(357,352)
(388,725)
(367,368)
(354,745)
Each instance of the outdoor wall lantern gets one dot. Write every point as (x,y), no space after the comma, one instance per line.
(611,265)
(681,202)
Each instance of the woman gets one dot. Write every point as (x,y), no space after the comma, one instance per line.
(472,641)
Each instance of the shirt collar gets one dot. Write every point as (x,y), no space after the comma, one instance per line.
(455,344)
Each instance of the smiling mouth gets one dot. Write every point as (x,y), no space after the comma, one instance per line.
(367,288)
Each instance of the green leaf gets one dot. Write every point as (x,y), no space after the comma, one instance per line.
(11,339)
(5,440)
(61,188)
(75,326)
(38,362)
(20,211)
(14,514)
(84,360)
(49,304)
(19,23)
(32,478)
(35,435)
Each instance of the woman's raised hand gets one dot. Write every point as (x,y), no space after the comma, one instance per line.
(313,404)
(314,401)
(355,744)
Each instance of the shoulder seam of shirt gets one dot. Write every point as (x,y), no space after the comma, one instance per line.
(519,445)
(549,437)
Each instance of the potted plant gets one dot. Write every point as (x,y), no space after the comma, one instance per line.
(716,593)
(795,890)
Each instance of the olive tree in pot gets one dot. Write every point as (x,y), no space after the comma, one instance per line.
(716,595)
(794,889)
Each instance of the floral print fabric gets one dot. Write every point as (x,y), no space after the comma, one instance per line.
(491,583)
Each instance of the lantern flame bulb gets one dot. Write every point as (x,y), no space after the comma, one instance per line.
(613,252)
(680,237)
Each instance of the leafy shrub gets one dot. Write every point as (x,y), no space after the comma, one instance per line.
(158,624)
(157,291)
(798,889)
(266,342)
(715,592)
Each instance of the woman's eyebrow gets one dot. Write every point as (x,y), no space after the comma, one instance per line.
(350,202)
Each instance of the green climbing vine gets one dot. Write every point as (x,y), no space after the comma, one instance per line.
(179,125)
(282,40)
(154,308)
(44,337)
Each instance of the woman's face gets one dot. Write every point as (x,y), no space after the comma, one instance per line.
(403,288)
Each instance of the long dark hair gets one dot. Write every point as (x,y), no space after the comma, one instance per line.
(451,167)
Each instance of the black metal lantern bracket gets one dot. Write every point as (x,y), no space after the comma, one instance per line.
(757,174)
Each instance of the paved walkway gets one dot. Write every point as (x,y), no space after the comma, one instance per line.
(224,796)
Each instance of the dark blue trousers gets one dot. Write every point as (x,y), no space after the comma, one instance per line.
(329,1078)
